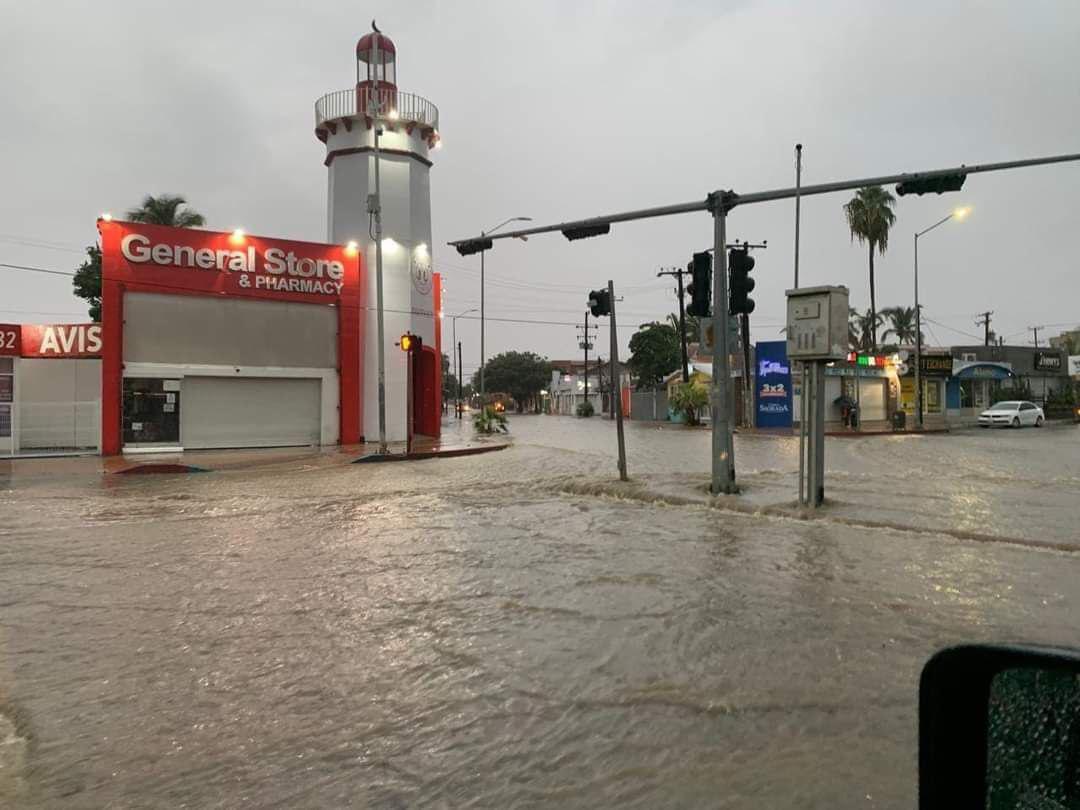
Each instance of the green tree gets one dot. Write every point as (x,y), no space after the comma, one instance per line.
(869,217)
(164,210)
(691,398)
(654,353)
(693,326)
(168,209)
(901,324)
(87,281)
(866,326)
(522,375)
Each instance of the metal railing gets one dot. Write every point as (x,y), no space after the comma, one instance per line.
(396,105)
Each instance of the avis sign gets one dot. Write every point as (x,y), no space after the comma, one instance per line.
(60,340)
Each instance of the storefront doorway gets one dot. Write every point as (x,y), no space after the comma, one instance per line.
(151,413)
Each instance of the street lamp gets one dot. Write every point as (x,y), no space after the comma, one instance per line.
(457,359)
(959,214)
(488,232)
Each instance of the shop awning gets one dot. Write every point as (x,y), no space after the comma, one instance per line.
(984,371)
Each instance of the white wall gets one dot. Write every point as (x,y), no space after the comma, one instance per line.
(406,210)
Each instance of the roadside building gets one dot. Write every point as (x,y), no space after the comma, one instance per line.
(567,388)
(935,372)
(980,373)
(869,382)
(50,388)
(1069,340)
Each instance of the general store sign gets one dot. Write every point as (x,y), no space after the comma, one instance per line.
(189,259)
(54,340)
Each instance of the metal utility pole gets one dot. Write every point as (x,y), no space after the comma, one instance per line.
(798,200)
(718,204)
(678,273)
(586,344)
(483,356)
(959,215)
(723,442)
(984,321)
(375,208)
(615,392)
(461,369)
(1035,331)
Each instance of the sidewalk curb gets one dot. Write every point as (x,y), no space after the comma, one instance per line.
(376,458)
(152,468)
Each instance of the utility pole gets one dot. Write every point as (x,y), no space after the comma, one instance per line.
(586,343)
(798,200)
(615,392)
(679,273)
(1035,331)
(461,370)
(984,321)
(744,337)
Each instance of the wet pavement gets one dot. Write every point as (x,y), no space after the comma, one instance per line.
(518,629)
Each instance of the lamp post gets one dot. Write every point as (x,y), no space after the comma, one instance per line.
(958,214)
(457,359)
(488,232)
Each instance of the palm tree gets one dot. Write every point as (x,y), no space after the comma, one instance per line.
(853,335)
(693,326)
(901,323)
(867,325)
(168,209)
(870,216)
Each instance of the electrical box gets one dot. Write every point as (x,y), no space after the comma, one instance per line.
(817,323)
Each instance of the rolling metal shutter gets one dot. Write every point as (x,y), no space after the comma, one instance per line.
(249,412)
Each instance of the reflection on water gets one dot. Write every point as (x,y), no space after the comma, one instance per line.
(517,629)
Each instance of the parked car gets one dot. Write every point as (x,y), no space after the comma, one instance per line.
(1013,413)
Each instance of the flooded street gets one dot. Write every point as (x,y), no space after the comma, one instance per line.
(517,629)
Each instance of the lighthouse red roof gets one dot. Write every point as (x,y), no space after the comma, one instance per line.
(366,45)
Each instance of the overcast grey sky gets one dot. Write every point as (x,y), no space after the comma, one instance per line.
(558,110)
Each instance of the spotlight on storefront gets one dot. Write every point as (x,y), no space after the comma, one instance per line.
(390,246)
(421,248)
(107,216)
(351,247)
(237,235)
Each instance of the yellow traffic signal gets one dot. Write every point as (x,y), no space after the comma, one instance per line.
(406,342)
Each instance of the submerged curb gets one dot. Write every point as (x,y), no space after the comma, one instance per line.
(152,468)
(376,458)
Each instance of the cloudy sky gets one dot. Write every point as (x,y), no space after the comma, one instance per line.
(560,110)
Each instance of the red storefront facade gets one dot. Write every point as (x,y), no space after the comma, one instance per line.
(193,308)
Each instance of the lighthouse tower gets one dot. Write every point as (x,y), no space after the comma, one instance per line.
(408,126)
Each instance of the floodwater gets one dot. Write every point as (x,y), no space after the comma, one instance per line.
(517,629)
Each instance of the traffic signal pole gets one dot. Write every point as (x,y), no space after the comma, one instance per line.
(719,204)
(616,392)
(723,442)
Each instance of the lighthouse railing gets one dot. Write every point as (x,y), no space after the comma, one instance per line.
(395,105)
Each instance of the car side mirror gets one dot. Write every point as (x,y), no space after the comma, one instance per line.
(999,728)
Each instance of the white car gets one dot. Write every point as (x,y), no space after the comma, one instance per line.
(1013,413)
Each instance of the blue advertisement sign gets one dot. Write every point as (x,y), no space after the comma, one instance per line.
(772,384)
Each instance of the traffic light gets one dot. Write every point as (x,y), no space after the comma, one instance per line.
(700,288)
(411,343)
(927,185)
(473,246)
(741,263)
(599,302)
(585,231)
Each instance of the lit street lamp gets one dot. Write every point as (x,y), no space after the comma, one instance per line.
(959,215)
(488,232)
(457,359)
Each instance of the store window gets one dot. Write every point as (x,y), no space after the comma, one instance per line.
(151,411)
(7,395)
